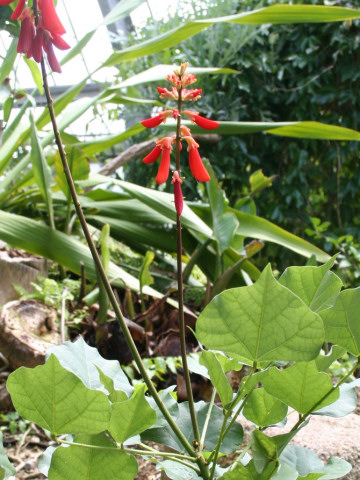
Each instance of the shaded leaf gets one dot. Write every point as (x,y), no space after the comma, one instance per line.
(263,409)
(316,286)
(60,402)
(86,463)
(132,416)
(341,322)
(301,386)
(6,468)
(263,322)
(85,362)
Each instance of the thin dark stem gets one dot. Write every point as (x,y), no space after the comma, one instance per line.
(182,326)
(102,273)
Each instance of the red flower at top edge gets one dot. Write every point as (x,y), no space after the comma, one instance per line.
(50,19)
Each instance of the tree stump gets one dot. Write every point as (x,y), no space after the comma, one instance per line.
(19,268)
(27,329)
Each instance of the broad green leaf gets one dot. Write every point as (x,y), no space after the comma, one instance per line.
(60,402)
(345,404)
(136,235)
(225,227)
(132,416)
(316,286)
(85,362)
(306,463)
(145,275)
(316,131)
(39,239)
(86,463)
(169,402)
(177,471)
(6,468)
(264,450)
(276,14)
(217,376)
(248,472)
(261,229)
(304,129)
(259,181)
(263,409)
(42,171)
(35,73)
(8,62)
(78,165)
(301,386)
(323,362)
(166,436)
(93,147)
(108,382)
(263,322)
(159,72)
(341,322)
(163,203)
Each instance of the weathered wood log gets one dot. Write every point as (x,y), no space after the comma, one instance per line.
(27,329)
(18,268)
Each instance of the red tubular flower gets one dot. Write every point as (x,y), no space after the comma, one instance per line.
(191,95)
(153,155)
(165,93)
(155,121)
(179,203)
(197,167)
(50,19)
(27,32)
(201,121)
(53,61)
(18,10)
(164,168)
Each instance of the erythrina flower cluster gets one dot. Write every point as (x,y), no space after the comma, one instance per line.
(179,79)
(41,35)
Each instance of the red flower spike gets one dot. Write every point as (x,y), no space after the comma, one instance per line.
(164,168)
(155,121)
(18,10)
(197,167)
(201,121)
(179,203)
(50,19)
(153,155)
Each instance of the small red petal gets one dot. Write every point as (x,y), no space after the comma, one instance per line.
(153,155)
(179,203)
(37,45)
(205,122)
(152,122)
(26,36)
(197,167)
(59,42)
(18,10)
(164,168)
(50,19)
(53,61)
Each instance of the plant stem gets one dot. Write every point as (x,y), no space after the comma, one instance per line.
(181,293)
(101,271)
